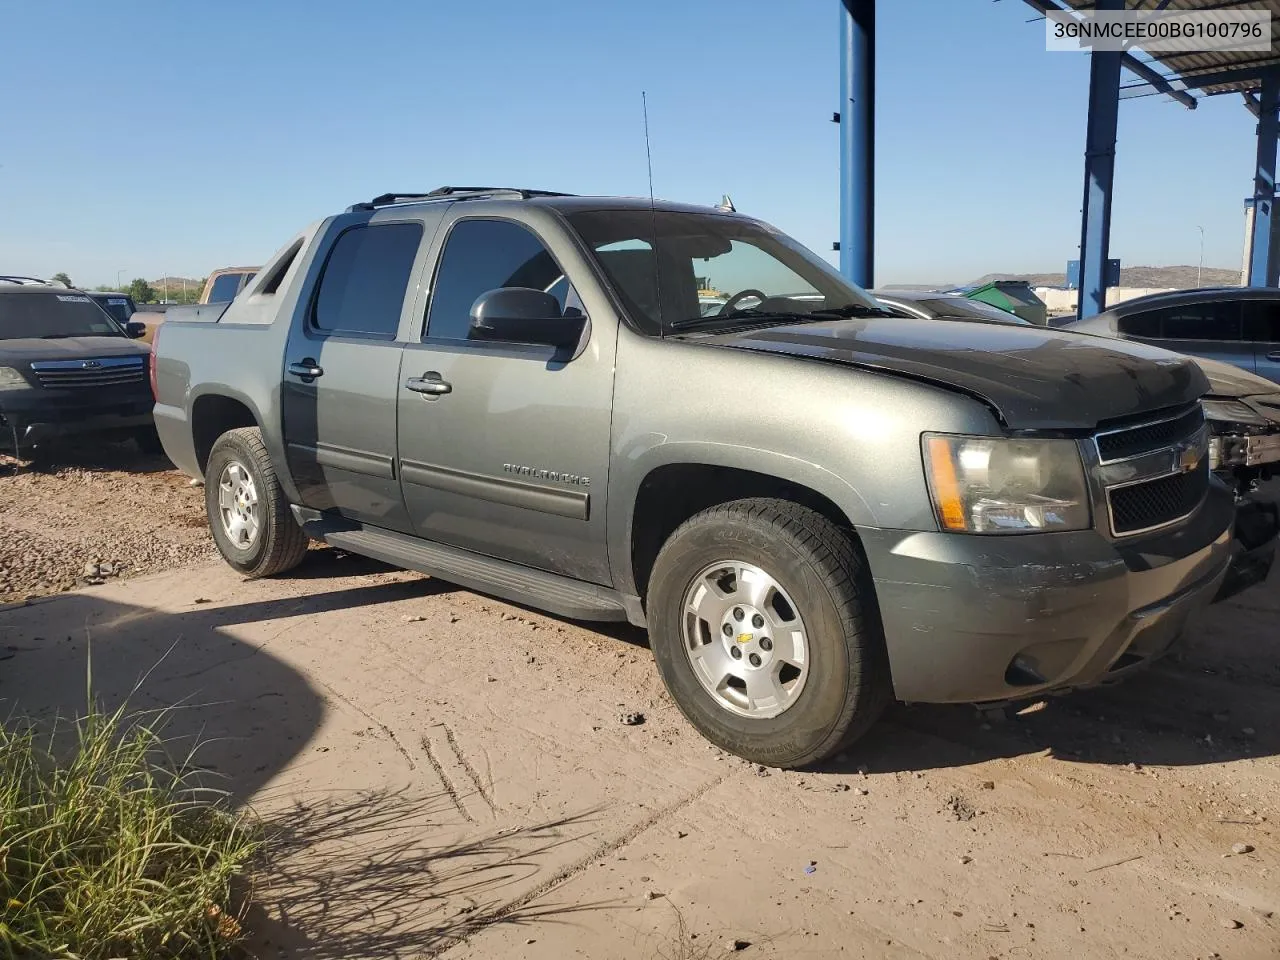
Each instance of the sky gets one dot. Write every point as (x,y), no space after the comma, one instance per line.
(159,137)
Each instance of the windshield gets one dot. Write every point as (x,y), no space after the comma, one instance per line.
(53,316)
(710,267)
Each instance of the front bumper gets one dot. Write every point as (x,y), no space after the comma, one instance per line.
(989,619)
(40,416)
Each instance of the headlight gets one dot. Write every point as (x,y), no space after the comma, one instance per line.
(11,379)
(998,485)
(1232,411)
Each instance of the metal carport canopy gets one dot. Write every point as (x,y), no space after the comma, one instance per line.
(1186,77)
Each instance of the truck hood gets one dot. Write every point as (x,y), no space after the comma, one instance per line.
(73,348)
(1035,378)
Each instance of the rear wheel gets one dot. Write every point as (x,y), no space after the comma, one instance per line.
(248,513)
(764,627)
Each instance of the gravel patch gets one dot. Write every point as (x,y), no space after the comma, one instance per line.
(99,514)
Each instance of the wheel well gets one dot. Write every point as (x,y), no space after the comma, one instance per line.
(211,417)
(672,494)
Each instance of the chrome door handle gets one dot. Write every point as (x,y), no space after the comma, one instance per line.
(1274,356)
(431,386)
(306,368)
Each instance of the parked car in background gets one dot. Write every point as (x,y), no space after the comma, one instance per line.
(1235,325)
(119,305)
(222,286)
(68,369)
(935,305)
(814,505)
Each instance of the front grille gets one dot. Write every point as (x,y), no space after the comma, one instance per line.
(1130,442)
(106,372)
(1153,503)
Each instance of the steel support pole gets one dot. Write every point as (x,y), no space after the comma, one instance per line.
(857,139)
(1099,174)
(1264,182)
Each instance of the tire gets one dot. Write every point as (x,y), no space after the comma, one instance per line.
(821,582)
(148,442)
(239,460)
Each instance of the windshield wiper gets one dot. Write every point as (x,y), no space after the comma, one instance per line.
(770,316)
(793,316)
(854,310)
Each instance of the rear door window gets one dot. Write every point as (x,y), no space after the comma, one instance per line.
(1262,320)
(1202,321)
(365,278)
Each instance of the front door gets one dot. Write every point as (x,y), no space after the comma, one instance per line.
(342,373)
(508,453)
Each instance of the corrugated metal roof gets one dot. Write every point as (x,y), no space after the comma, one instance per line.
(1183,69)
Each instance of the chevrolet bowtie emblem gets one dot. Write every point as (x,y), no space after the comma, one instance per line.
(1188,459)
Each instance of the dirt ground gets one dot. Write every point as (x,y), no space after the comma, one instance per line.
(95,513)
(444,774)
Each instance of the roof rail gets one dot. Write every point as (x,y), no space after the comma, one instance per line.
(452,193)
(23,281)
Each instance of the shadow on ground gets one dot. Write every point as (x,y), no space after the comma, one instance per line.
(252,711)
(357,875)
(97,455)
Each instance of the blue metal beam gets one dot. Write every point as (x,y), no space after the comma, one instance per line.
(1252,73)
(1264,181)
(857,139)
(1099,173)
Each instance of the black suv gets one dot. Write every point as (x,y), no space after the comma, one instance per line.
(67,368)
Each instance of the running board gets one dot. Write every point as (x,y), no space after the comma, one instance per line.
(509,581)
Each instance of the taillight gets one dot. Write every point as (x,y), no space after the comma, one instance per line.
(151,364)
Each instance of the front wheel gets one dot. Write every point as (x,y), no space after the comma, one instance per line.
(248,513)
(763,623)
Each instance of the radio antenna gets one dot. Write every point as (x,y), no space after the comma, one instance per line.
(653,214)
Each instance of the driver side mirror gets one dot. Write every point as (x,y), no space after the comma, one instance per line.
(524,315)
(135,329)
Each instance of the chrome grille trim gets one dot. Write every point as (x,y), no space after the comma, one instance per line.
(1184,453)
(90,372)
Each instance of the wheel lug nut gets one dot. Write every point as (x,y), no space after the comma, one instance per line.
(728,630)
(757,621)
(738,614)
(766,644)
(754,659)
(736,653)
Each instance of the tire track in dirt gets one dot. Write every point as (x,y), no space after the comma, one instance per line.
(571,870)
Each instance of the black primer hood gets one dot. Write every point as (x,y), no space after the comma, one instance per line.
(1036,378)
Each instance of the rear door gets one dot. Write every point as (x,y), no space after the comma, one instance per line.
(1262,328)
(342,370)
(1213,330)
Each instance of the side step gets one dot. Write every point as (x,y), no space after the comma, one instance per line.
(509,581)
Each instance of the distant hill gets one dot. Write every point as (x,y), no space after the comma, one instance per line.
(1176,278)
(175,283)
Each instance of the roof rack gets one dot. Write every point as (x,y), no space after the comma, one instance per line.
(453,193)
(24,281)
